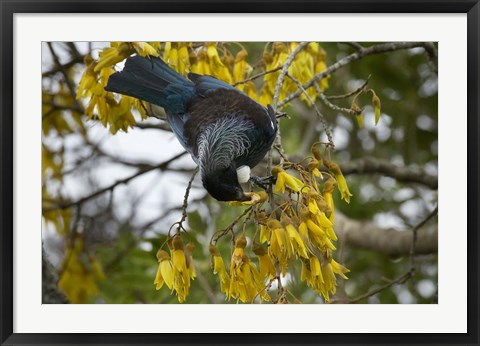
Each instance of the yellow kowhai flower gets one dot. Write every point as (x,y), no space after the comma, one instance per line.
(155,45)
(303,231)
(266,97)
(312,202)
(280,244)
(315,269)
(326,224)
(342,183)
(328,189)
(302,69)
(296,241)
(255,198)
(251,90)
(165,270)
(101,100)
(313,48)
(321,66)
(212,54)
(120,116)
(238,252)
(330,282)
(88,80)
(264,233)
(312,273)
(104,75)
(266,266)
(170,55)
(246,283)
(321,236)
(181,272)
(189,256)
(201,65)
(217,67)
(145,49)
(118,51)
(321,277)
(377,105)
(219,269)
(358,111)
(313,166)
(183,58)
(316,234)
(138,105)
(245,280)
(285,179)
(280,55)
(241,69)
(228,60)
(343,187)
(339,269)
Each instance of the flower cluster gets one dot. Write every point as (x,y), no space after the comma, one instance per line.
(176,269)
(113,112)
(300,229)
(307,63)
(208,58)
(244,281)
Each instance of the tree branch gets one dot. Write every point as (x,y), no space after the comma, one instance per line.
(377,166)
(367,235)
(164,126)
(161,166)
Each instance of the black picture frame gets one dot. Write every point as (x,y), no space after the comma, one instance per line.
(10,7)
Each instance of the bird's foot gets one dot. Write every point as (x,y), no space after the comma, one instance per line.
(264,182)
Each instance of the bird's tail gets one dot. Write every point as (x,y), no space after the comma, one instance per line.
(152,80)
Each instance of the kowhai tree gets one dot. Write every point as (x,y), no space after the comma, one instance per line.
(349,215)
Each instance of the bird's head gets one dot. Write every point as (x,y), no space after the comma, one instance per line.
(223,184)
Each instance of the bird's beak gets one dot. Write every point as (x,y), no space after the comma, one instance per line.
(243,197)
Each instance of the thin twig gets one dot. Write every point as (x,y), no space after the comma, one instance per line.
(351,93)
(415,235)
(317,111)
(355,45)
(400,280)
(185,200)
(63,70)
(258,75)
(217,235)
(330,105)
(164,126)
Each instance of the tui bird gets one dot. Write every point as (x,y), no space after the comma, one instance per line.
(226,132)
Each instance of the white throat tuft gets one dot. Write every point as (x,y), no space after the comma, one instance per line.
(243,174)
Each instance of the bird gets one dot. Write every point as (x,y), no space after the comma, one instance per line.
(226,132)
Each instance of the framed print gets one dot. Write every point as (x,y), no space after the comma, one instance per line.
(208,172)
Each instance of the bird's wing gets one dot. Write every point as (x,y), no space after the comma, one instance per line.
(206,84)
